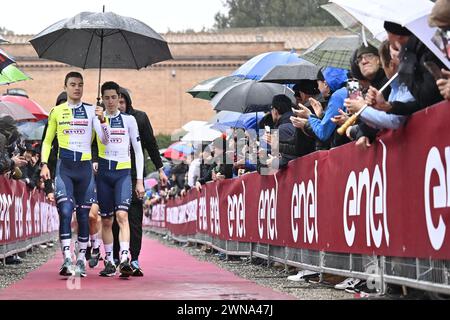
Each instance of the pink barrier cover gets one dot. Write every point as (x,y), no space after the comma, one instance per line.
(24,213)
(393,200)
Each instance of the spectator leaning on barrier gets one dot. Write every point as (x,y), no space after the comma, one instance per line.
(366,67)
(412,55)
(206,168)
(281,110)
(323,128)
(31,172)
(9,160)
(223,160)
(375,114)
(440,17)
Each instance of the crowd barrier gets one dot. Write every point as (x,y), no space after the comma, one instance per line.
(26,218)
(381,214)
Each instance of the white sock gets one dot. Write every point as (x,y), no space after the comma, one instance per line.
(94,241)
(108,252)
(82,246)
(65,248)
(124,249)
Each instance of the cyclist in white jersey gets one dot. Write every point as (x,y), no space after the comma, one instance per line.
(73,123)
(114,178)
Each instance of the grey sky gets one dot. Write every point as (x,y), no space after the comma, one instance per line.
(31,16)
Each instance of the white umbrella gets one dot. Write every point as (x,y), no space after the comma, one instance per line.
(192,125)
(411,14)
(202,134)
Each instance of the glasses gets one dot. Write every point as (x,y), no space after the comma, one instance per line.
(442,40)
(367,56)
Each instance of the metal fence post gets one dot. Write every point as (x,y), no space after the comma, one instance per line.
(321,265)
(382,270)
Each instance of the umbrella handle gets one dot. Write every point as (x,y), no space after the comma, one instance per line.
(351,121)
(100,69)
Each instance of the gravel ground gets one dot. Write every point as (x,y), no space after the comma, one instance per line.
(273,277)
(31,260)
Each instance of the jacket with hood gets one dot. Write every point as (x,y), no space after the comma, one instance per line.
(148,139)
(419,81)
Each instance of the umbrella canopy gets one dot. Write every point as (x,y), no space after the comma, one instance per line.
(258,66)
(244,121)
(5,60)
(101,40)
(178,151)
(351,20)
(9,73)
(410,14)
(28,104)
(207,89)
(291,73)
(222,116)
(250,96)
(12,74)
(150,183)
(202,134)
(192,125)
(17,112)
(32,130)
(333,51)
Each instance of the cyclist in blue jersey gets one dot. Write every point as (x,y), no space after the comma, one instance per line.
(114,178)
(73,123)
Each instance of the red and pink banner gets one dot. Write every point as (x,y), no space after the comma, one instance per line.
(24,213)
(392,200)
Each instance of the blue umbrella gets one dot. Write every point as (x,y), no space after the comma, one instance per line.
(224,116)
(258,66)
(244,121)
(182,147)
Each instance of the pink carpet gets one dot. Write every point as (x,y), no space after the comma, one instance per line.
(170,274)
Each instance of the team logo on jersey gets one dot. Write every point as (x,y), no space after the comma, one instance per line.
(116,122)
(80,113)
(115,140)
(74,131)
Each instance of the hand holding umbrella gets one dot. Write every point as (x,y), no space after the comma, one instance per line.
(100,114)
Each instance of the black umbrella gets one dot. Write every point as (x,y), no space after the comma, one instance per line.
(250,96)
(207,89)
(101,40)
(291,73)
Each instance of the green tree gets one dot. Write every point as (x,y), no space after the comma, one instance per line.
(273,13)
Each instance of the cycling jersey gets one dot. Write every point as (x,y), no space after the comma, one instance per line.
(116,154)
(73,126)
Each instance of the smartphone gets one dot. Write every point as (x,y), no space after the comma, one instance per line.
(267,129)
(434,70)
(354,89)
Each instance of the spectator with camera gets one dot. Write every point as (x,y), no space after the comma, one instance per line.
(10,158)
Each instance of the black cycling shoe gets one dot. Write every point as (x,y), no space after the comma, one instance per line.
(109,271)
(95,258)
(125,269)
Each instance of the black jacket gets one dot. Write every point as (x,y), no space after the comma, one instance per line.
(419,81)
(146,134)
